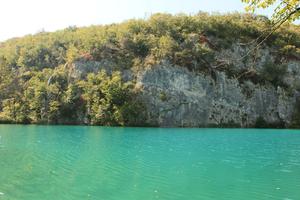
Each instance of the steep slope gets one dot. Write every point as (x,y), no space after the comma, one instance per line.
(192,71)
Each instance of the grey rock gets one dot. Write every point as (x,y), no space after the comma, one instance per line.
(196,100)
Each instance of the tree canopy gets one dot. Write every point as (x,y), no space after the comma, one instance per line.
(41,83)
(285,10)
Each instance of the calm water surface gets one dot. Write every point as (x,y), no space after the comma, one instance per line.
(75,163)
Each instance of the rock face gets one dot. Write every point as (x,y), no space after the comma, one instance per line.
(177,97)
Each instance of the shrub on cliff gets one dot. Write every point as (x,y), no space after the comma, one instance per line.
(274,73)
(35,71)
(162,36)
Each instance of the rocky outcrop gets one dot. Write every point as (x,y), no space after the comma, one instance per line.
(177,97)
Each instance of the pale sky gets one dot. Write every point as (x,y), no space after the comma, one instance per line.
(21,17)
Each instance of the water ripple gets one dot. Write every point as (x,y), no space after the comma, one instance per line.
(116,163)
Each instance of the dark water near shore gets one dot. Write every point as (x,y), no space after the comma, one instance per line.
(75,163)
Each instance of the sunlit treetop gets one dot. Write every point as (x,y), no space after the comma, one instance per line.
(285,10)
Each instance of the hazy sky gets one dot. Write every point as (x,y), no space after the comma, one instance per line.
(20,17)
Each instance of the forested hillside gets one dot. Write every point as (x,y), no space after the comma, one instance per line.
(40,81)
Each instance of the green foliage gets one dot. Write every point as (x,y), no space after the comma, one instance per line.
(163,96)
(166,46)
(162,37)
(290,52)
(284,9)
(72,54)
(6,78)
(262,123)
(296,115)
(274,73)
(36,85)
(48,97)
(109,101)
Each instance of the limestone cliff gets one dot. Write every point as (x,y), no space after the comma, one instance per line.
(177,97)
(180,70)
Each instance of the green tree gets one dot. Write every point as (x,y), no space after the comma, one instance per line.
(72,54)
(72,109)
(284,9)
(109,100)
(6,77)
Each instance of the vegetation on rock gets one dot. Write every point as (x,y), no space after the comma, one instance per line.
(35,71)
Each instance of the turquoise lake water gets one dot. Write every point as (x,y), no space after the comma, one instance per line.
(76,163)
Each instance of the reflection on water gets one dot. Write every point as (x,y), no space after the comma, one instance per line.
(73,162)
